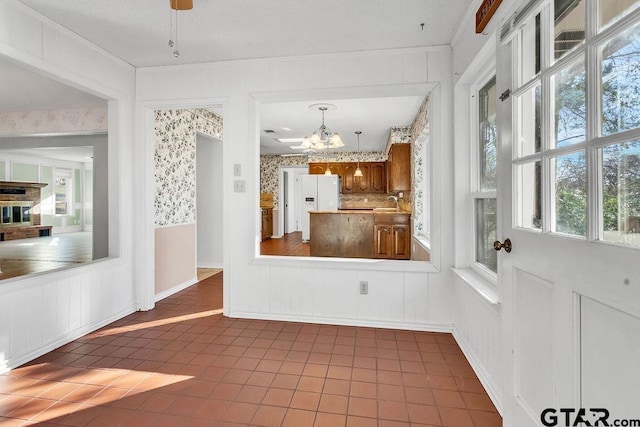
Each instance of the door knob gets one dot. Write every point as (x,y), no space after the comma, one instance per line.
(506,245)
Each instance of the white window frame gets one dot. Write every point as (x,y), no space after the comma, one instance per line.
(594,140)
(475,193)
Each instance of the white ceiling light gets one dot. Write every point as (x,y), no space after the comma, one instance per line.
(322,138)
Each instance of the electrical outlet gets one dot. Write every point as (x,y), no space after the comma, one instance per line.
(364,287)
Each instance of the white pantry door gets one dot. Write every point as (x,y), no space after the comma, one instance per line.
(570,305)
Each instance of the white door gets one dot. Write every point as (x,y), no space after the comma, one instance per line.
(570,287)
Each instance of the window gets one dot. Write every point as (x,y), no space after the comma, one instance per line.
(484,196)
(63,191)
(577,103)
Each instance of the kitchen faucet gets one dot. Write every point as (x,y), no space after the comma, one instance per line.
(395,199)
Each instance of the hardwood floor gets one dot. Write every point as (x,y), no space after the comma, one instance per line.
(289,245)
(26,256)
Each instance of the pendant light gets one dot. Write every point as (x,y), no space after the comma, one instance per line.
(327,171)
(358,172)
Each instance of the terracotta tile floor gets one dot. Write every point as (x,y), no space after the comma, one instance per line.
(183,364)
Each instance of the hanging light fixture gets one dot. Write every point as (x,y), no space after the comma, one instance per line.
(358,172)
(173,19)
(322,138)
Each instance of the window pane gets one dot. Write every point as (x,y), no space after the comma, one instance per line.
(569,25)
(488,133)
(571,194)
(531,49)
(530,191)
(621,82)
(570,105)
(486,233)
(530,115)
(621,193)
(610,11)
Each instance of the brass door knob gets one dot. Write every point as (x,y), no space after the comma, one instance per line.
(506,245)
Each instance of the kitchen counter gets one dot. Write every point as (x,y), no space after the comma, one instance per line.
(362,211)
(358,233)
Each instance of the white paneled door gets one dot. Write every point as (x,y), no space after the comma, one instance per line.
(570,287)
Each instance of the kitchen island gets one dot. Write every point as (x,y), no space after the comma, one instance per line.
(355,233)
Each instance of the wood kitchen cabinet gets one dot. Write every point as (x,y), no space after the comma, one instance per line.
(399,168)
(373,177)
(317,168)
(377,178)
(348,179)
(267,223)
(392,237)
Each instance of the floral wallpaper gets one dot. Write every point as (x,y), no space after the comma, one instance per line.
(419,137)
(270,165)
(13,123)
(399,135)
(175,162)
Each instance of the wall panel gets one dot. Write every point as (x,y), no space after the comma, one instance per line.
(42,312)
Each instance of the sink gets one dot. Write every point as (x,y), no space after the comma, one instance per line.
(385,209)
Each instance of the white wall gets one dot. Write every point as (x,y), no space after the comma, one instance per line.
(209,202)
(401,294)
(40,313)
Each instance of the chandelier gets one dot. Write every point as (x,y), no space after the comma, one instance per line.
(322,138)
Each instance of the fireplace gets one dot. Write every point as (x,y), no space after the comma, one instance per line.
(16,214)
(20,210)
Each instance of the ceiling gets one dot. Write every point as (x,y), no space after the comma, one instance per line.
(138,32)
(25,90)
(71,154)
(374,117)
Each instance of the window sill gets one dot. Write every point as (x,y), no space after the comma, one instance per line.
(369,264)
(486,290)
(423,241)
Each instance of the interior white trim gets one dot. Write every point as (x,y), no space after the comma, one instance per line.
(164,294)
(484,289)
(492,389)
(367,323)
(10,363)
(369,264)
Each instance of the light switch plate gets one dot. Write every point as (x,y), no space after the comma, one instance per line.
(237,169)
(239,186)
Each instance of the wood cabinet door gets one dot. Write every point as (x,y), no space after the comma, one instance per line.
(401,235)
(377,177)
(348,180)
(317,168)
(399,168)
(382,241)
(267,224)
(336,169)
(362,182)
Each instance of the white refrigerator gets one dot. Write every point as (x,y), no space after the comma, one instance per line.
(319,193)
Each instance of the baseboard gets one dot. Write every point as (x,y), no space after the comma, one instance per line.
(164,294)
(12,363)
(489,385)
(214,265)
(367,323)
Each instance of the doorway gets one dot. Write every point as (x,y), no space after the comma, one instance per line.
(289,191)
(208,203)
